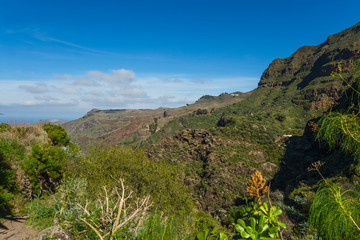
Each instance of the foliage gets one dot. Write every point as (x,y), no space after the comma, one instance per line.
(334,213)
(41,213)
(214,234)
(113,211)
(159,226)
(4,127)
(260,222)
(341,128)
(45,167)
(201,111)
(8,150)
(257,229)
(5,201)
(330,211)
(159,179)
(88,216)
(338,129)
(57,134)
(153,126)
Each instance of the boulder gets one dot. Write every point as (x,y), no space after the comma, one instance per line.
(54,232)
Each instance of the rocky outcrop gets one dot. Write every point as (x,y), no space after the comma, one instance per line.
(309,64)
(212,166)
(54,232)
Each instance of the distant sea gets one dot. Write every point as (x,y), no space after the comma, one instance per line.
(20,120)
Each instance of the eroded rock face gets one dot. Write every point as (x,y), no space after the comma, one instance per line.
(54,232)
(309,65)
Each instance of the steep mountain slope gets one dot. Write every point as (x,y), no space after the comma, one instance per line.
(308,70)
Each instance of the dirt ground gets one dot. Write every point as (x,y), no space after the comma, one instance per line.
(16,229)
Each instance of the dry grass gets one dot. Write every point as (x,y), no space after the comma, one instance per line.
(26,134)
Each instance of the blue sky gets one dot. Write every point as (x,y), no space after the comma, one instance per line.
(60,59)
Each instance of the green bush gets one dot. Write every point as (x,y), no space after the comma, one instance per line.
(8,151)
(57,134)
(104,165)
(5,202)
(4,127)
(201,111)
(11,150)
(45,167)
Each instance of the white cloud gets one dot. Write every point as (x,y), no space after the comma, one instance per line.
(37,88)
(86,82)
(117,77)
(95,93)
(69,90)
(129,92)
(114,89)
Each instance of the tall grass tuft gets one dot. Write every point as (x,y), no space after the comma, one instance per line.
(334,212)
(160,227)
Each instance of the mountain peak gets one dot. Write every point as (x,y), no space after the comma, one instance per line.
(309,64)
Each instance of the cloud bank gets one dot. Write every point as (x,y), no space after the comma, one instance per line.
(74,95)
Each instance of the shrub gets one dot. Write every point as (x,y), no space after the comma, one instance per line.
(8,188)
(4,127)
(160,180)
(5,201)
(113,211)
(57,134)
(201,111)
(45,167)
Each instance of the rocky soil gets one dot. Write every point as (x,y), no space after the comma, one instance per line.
(16,229)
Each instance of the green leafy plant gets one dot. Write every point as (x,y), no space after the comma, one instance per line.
(271,215)
(260,221)
(214,234)
(256,229)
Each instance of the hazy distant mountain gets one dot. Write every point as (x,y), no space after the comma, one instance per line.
(54,121)
(116,125)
